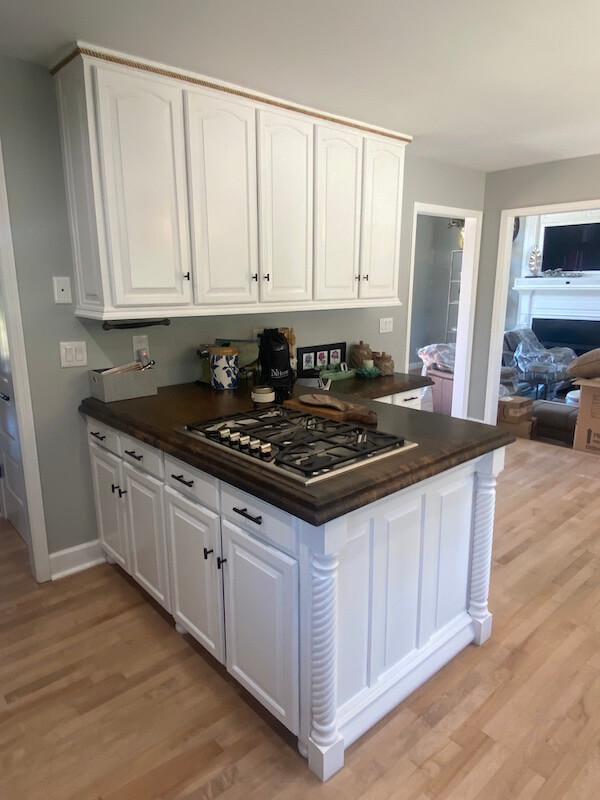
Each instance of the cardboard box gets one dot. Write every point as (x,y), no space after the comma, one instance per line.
(514,409)
(520,429)
(122,385)
(587,430)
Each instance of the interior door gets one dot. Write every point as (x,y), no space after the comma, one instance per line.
(13,494)
(338,179)
(261,622)
(194,539)
(142,153)
(286,206)
(221,141)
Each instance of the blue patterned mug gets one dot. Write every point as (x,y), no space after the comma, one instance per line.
(224,368)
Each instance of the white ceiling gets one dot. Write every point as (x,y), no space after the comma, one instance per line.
(488,84)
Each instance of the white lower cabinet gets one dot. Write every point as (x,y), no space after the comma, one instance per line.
(146,518)
(194,541)
(261,621)
(107,478)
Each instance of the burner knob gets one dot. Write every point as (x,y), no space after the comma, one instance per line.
(254,445)
(225,434)
(265,449)
(235,437)
(244,440)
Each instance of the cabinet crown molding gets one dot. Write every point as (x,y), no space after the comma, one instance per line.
(145,65)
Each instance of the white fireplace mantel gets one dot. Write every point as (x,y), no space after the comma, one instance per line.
(558,298)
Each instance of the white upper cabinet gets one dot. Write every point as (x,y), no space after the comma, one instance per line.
(381,218)
(142,155)
(221,138)
(286,206)
(338,177)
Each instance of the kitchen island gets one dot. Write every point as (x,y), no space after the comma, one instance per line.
(329,602)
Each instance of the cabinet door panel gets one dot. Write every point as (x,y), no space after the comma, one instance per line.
(110,508)
(338,178)
(286,207)
(145,506)
(221,136)
(261,622)
(382,212)
(142,152)
(197,592)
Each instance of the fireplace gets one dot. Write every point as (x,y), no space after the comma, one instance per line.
(581,335)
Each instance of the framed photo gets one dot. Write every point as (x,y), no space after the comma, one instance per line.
(320,356)
(335,357)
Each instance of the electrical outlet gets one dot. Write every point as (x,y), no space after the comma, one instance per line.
(140,343)
(62,290)
(386,324)
(73,354)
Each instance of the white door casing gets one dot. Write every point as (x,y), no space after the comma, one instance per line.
(285,206)
(338,184)
(142,155)
(194,544)
(221,149)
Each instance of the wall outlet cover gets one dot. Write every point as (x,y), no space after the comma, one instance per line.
(139,343)
(62,290)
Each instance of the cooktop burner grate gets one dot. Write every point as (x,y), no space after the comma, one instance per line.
(305,446)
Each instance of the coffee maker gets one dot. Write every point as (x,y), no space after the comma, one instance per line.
(274,359)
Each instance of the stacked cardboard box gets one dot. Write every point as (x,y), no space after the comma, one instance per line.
(515,416)
(587,430)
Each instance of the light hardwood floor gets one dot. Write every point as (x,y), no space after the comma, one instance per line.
(100,699)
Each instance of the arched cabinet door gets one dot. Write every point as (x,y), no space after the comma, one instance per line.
(221,137)
(142,159)
(381,218)
(286,206)
(338,179)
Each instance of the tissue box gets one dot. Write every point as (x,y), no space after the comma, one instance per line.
(122,385)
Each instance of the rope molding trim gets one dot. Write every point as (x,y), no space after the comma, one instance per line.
(126,62)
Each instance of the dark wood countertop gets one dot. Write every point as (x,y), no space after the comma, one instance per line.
(444,442)
(380,387)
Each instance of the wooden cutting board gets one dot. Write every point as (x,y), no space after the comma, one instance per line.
(352,411)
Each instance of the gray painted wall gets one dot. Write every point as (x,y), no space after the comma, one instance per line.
(433,252)
(541,184)
(30,138)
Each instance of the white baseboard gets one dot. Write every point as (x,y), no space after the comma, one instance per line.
(75,559)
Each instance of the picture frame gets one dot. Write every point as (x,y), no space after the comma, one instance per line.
(311,360)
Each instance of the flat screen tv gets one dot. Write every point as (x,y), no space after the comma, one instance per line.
(572,247)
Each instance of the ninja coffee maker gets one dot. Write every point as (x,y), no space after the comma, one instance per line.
(274,359)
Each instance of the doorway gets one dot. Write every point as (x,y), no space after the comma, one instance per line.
(442,289)
(503,287)
(21,490)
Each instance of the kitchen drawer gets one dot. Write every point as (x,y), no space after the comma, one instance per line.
(141,455)
(103,435)
(386,399)
(192,482)
(258,517)
(410,399)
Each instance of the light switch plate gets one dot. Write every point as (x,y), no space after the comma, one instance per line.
(62,290)
(73,354)
(386,324)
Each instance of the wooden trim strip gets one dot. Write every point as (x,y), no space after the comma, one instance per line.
(126,62)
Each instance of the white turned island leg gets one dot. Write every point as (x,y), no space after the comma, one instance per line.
(481,558)
(325,746)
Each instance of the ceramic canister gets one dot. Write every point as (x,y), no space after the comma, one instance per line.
(224,367)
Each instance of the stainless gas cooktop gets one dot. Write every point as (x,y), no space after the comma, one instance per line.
(306,447)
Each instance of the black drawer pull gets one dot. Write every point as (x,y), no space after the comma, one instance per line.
(220,562)
(122,492)
(98,435)
(409,399)
(365,277)
(187,276)
(255,276)
(268,276)
(4,397)
(113,488)
(244,513)
(181,479)
(207,552)
(133,454)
